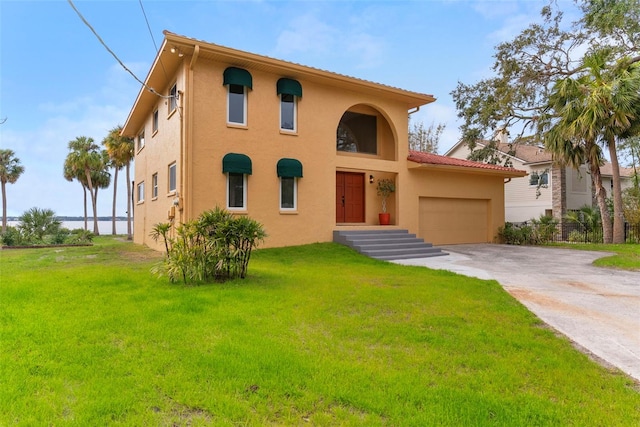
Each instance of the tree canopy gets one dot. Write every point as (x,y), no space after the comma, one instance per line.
(573,87)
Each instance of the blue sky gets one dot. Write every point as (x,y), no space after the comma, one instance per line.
(57,82)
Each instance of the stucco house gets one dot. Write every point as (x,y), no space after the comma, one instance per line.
(562,189)
(297,148)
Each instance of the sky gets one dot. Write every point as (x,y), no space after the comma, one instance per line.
(58,82)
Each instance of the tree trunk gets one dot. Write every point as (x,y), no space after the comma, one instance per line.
(115,193)
(601,199)
(129,234)
(4,207)
(84,190)
(94,203)
(618,213)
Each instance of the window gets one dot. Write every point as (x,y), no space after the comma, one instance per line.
(288,90)
(173,98)
(141,192)
(539,178)
(237,167)
(289,170)
(237,105)
(141,140)
(172,177)
(544,179)
(155,121)
(287,112)
(236,190)
(154,186)
(237,81)
(357,133)
(288,193)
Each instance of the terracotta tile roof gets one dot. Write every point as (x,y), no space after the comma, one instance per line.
(435,159)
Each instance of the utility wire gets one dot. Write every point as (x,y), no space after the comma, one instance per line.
(152,38)
(150,89)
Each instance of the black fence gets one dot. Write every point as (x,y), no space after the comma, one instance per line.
(530,233)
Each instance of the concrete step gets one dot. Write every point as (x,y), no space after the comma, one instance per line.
(387,244)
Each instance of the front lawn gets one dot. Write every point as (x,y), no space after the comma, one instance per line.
(315,335)
(627,255)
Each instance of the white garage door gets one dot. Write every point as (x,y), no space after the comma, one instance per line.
(452,221)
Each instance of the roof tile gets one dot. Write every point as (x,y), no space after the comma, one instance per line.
(435,159)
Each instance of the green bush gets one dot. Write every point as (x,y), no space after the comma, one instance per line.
(216,246)
(37,225)
(513,234)
(79,236)
(544,229)
(11,237)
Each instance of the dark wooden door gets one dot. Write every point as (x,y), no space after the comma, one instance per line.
(349,197)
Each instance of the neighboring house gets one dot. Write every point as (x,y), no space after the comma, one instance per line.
(561,189)
(296,148)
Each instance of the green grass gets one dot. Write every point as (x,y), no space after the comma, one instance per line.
(316,335)
(627,256)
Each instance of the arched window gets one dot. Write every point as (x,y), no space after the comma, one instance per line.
(357,133)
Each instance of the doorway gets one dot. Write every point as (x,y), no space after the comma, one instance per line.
(349,197)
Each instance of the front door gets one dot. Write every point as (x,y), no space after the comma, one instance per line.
(349,197)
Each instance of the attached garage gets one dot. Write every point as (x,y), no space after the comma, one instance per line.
(458,201)
(451,221)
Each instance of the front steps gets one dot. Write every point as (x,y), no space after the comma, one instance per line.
(386,244)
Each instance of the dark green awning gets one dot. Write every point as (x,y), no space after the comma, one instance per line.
(236,163)
(237,76)
(289,87)
(289,168)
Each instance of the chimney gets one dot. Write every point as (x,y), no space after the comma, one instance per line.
(502,136)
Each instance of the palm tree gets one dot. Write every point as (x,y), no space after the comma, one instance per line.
(597,107)
(121,152)
(614,100)
(70,174)
(573,144)
(86,159)
(10,171)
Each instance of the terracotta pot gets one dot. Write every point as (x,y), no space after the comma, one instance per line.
(384,218)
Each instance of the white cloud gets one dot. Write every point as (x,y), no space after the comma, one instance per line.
(368,48)
(309,35)
(42,150)
(440,113)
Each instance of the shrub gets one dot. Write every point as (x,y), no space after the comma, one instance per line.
(544,229)
(36,224)
(216,246)
(79,236)
(513,234)
(631,205)
(11,237)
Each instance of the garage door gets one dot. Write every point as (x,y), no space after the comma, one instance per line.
(451,221)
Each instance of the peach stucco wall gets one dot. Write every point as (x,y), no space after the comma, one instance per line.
(201,133)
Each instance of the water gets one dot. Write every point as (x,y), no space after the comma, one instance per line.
(104,227)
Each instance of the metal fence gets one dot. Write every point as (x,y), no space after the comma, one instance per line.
(531,233)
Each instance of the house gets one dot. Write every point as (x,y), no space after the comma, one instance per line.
(296,148)
(548,189)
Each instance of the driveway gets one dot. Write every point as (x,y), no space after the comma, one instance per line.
(596,308)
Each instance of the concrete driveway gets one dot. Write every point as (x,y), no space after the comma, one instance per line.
(597,308)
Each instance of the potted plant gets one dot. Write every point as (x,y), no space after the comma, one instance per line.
(385,187)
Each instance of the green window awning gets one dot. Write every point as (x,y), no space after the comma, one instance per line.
(236,163)
(289,87)
(289,168)
(237,76)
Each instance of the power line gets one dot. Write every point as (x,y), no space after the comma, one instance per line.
(152,38)
(150,89)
